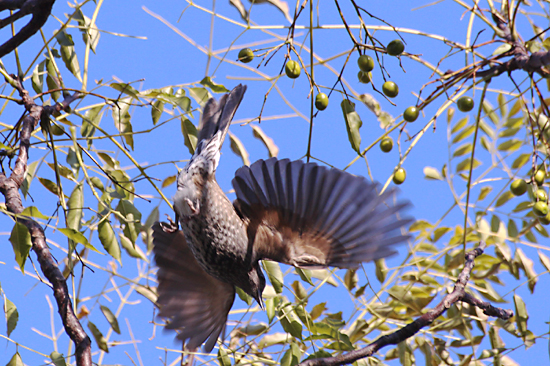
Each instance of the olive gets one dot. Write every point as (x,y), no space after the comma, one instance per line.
(364,77)
(545,220)
(540,175)
(246,55)
(292,69)
(386,144)
(540,209)
(518,187)
(411,114)
(321,101)
(57,130)
(390,89)
(540,195)
(366,63)
(465,104)
(400,175)
(395,47)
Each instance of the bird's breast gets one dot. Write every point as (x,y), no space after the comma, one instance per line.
(218,239)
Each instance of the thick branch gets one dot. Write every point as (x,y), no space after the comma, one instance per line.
(9,187)
(40,10)
(458,294)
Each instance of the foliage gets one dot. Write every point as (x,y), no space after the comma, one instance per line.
(101,173)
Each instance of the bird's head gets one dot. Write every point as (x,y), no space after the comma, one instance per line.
(256,284)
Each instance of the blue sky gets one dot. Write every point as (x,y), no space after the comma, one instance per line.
(154,56)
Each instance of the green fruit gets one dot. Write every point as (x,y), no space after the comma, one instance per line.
(411,114)
(395,47)
(540,175)
(246,55)
(390,89)
(366,63)
(292,69)
(518,187)
(540,195)
(540,209)
(57,130)
(386,144)
(465,104)
(321,101)
(545,220)
(400,175)
(364,77)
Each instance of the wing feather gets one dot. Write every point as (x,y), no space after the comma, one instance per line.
(308,215)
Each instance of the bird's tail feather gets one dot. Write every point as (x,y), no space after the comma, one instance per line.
(217,116)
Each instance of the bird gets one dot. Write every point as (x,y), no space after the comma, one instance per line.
(293,212)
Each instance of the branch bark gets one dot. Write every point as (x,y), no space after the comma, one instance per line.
(40,10)
(458,294)
(9,187)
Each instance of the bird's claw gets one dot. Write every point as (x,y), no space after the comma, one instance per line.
(170,226)
(193,207)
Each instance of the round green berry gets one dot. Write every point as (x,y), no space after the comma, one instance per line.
(292,69)
(395,47)
(411,114)
(390,89)
(386,144)
(465,104)
(518,187)
(365,63)
(246,55)
(321,101)
(399,176)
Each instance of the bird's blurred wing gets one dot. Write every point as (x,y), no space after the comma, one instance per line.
(194,303)
(305,215)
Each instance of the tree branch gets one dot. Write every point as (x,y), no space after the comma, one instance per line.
(40,10)
(9,187)
(458,294)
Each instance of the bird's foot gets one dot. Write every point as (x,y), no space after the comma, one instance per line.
(194,207)
(170,226)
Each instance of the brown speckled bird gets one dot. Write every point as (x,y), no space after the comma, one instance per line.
(295,213)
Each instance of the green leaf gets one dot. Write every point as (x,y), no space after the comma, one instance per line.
(484,192)
(510,145)
(460,124)
(58,359)
(503,48)
(290,324)
(156,111)
(463,150)
(190,134)
(20,239)
(12,315)
(464,134)
(521,314)
(267,141)
(318,310)
(521,161)
(68,53)
(121,117)
(292,356)
(201,95)
(544,260)
(381,270)
(350,279)
(29,175)
(223,358)
(305,274)
(72,160)
(52,79)
(77,237)
(107,238)
(63,170)
(126,89)
(274,274)
(529,268)
(132,249)
(16,360)
(91,118)
(32,211)
(111,318)
(49,185)
(238,148)
(76,202)
(90,35)
(216,88)
(490,112)
(518,105)
(132,225)
(38,77)
(464,165)
(148,293)
(98,336)
(432,173)
(353,124)
(244,296)
(505,197)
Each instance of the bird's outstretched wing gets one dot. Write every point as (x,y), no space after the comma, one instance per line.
(194,303)
(306,215)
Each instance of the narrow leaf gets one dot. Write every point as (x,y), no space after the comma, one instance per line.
(111,318)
